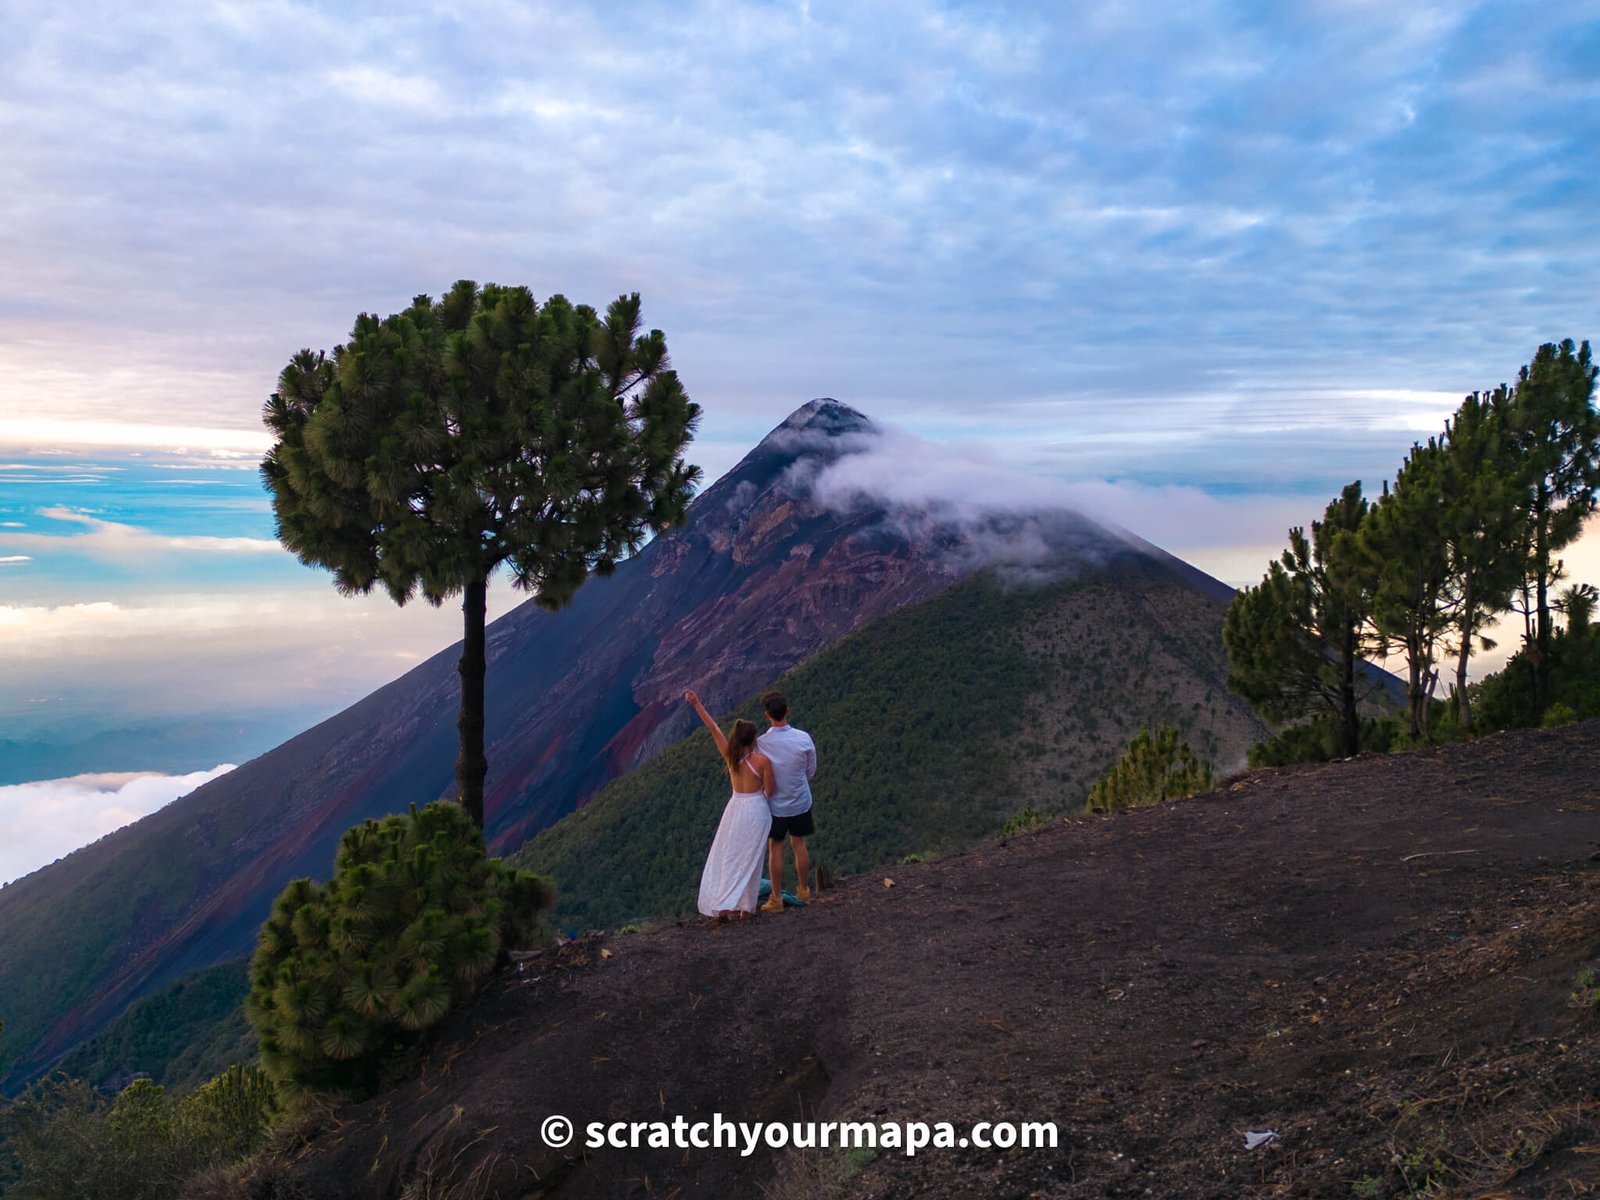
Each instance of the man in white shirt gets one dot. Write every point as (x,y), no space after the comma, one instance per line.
(794,762)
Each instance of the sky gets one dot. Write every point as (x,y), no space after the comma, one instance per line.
(1204,263)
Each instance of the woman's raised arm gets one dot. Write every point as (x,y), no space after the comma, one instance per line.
(716,732)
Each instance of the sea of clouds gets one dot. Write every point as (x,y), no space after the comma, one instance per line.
(50,818)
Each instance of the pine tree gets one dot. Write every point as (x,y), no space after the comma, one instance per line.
(414,918)
(1556,431)
(1480,524)
(1296,640)
(1578,603)
(473,431)
(1403,543)
(1155,767)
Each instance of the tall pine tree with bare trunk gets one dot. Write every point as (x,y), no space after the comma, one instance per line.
(474,431)
(1402,542)
(1556,431)
(1481,526)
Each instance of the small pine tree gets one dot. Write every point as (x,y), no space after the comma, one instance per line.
(1156,766)
(1296,640)
(1029,818)
(413,920)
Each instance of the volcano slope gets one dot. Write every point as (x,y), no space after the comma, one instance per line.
(1372,958)
(770,571)
(935,725)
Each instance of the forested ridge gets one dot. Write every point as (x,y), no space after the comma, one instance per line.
(934,726)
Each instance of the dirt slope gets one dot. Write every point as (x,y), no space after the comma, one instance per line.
(1372,958)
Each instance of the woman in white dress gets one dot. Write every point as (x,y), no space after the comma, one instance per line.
(732,875)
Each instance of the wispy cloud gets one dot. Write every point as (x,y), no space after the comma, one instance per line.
(47,468)
(115,540)
(970,485)
(92,431)
(193,652)
(415,94)
(48,819)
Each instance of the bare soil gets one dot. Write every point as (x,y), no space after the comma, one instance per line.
(1373,958)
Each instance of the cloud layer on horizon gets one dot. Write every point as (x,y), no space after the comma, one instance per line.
(45,820)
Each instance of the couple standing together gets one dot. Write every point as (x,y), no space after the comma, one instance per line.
(771,777)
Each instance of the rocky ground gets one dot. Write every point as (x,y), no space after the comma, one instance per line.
(1374,959)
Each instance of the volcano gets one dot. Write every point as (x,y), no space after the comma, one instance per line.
(762,577)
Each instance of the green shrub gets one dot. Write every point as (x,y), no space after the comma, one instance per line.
(1558,714)
(1156,766)
(1028,818)
(232,1114)
(1309,741)
(1504,700)
(1316,741)
(66,1141)
(1586,991)
(413,920)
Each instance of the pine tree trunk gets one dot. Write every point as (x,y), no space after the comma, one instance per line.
(1463,705)
(1414,697)
(472,765)
(1348,717)
(1541,567)
(1541,666)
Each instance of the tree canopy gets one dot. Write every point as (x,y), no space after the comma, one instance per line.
(414,918)
(1474,520)
(473,431)
(1555,431)
(1296,639)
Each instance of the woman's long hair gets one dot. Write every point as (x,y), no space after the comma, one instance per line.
(740,742)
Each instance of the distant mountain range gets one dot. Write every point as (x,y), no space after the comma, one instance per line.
(172,746)
(762,579)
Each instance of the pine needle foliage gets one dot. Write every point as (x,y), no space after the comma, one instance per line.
(474,431)
(1296,640)
(1157,766)
(1027,818)
(413,920)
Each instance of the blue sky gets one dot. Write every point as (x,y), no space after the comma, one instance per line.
(1206,262)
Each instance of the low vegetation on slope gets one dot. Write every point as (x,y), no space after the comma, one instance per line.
(906,713)
(119,900)
(181,1036)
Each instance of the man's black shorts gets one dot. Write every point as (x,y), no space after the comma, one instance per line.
(800,825)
